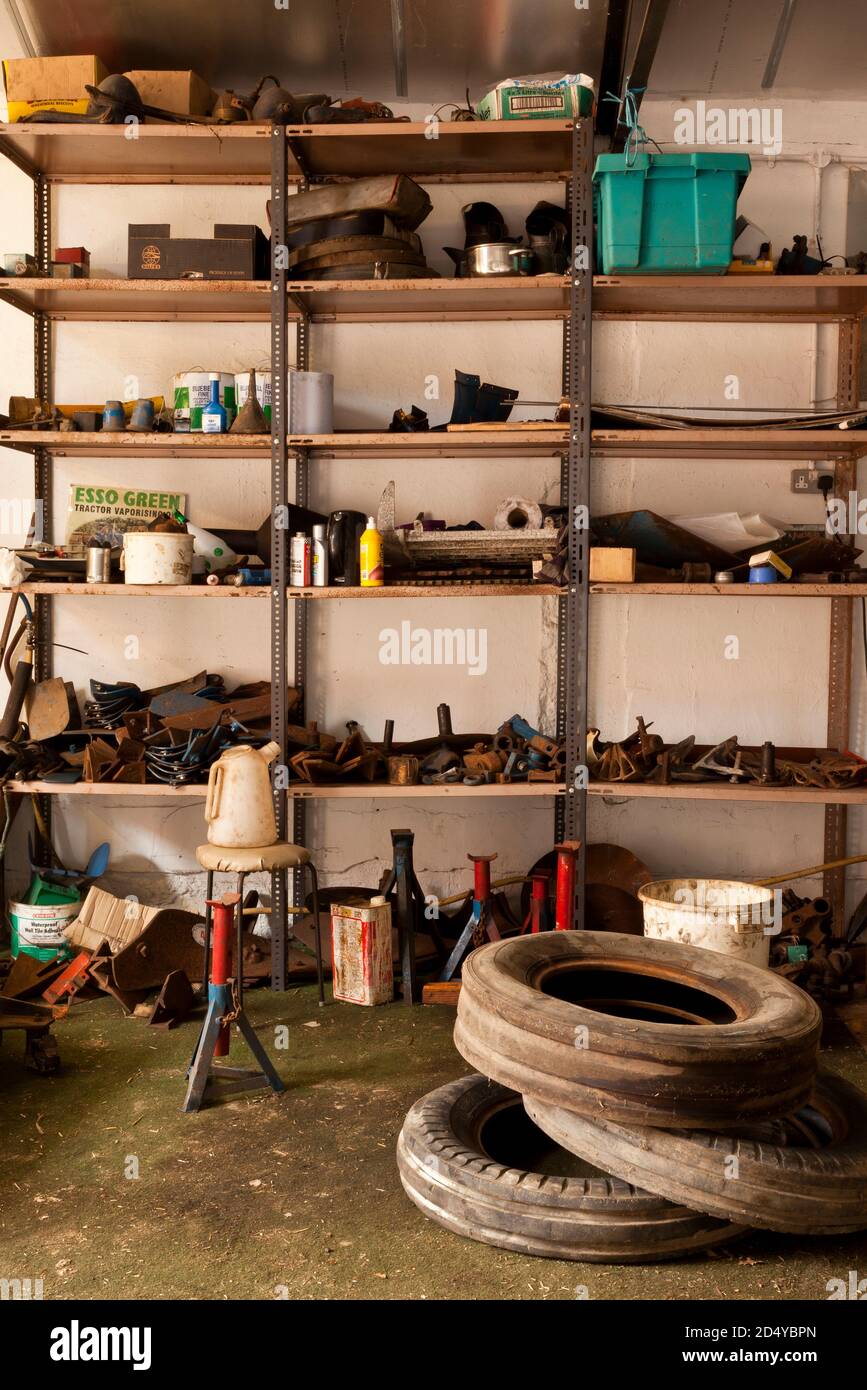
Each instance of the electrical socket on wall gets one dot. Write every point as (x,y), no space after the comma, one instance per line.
(807,479)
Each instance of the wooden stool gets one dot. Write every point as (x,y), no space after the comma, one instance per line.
(277,858)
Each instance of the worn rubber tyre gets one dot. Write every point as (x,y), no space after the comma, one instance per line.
(570,1018)
(462,1156)
(806,1175)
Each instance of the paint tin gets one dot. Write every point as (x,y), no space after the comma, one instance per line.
(192,392)
(299,561)
(361,952)
(263,390)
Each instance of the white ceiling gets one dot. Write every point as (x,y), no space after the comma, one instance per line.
(714,47)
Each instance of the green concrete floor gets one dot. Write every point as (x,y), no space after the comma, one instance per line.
(292,1196)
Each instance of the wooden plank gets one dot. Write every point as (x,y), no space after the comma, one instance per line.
(530,437)
(442,992)
(167,153)
(757,591)
(376,791)
(218,591)
(612,564)
(349,791)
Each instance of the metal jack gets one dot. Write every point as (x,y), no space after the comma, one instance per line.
(408,901)
(537,914)
(225,1007)
(481,924)
(564,916)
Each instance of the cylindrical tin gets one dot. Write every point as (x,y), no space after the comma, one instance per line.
(311,402)
(98,563)
(320,556)
(403,770)
(299,561)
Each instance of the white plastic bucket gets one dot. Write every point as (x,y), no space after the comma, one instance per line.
(157,557)
(717,914)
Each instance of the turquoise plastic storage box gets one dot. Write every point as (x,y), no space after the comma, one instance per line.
(667,214)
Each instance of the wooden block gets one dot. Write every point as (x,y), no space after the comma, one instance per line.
(445,992)
(612,565)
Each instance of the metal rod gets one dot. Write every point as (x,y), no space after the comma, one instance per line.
(398,48)
(784,24)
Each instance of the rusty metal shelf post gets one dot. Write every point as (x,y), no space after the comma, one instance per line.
(842,614)
(279,538)
(573,617)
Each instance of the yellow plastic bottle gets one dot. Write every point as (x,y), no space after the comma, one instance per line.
(372,571)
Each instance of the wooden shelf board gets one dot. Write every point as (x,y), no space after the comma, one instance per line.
(798,298)
(349,791)
(731,444)
(202,591)
(726,791)
(549,439)
(481,150)
(769,591)
(688,791)
(160,301)
(218,591)
(347,444)
(505,297)
(160,153)
(167,153)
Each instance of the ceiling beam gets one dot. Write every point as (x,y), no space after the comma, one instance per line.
(644,52)
(611,72)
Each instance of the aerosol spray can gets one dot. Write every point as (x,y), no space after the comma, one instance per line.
(299,561)
(320,557)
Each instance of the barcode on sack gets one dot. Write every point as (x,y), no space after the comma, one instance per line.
(549,102)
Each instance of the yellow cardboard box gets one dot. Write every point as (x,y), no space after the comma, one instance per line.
(184,92)
(50,84)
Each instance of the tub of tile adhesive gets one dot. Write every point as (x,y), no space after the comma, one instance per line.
(717,914)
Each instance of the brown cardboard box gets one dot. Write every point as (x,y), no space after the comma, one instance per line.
(50,84)
(103,917)
(235,252)
(184,92)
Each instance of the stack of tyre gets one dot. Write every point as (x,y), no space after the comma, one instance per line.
(636,1100)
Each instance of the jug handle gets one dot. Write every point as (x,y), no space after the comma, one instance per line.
(215,788)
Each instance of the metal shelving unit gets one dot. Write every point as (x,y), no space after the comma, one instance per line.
(281,156)
(284,156)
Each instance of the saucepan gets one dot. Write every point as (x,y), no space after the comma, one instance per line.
(492,258)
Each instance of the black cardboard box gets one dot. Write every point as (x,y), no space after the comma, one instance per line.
(237,251)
